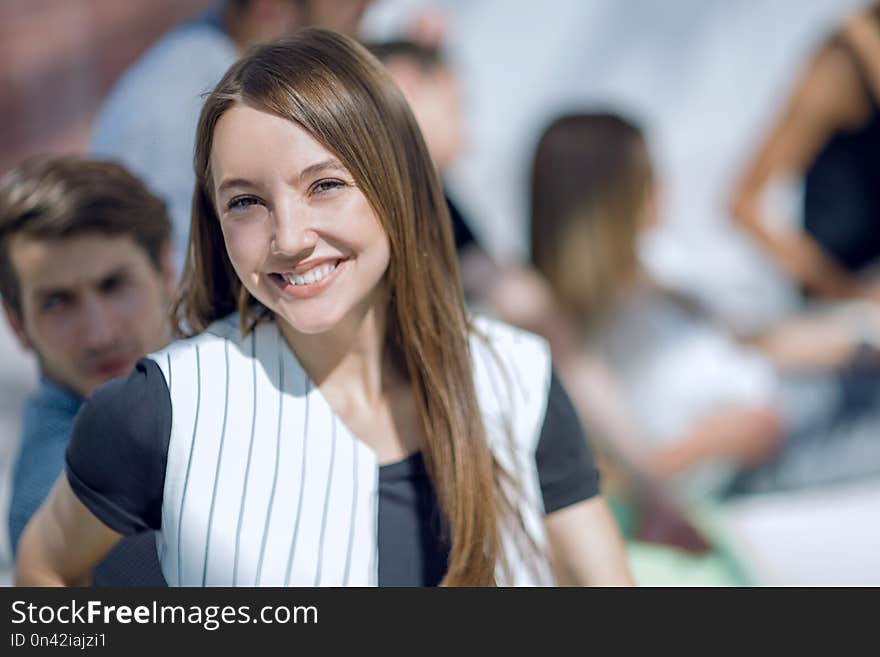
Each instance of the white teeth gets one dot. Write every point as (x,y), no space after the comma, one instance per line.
(311,276)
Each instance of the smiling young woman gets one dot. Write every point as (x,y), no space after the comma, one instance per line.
(333,415)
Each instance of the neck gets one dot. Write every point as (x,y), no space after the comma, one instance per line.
(350,362)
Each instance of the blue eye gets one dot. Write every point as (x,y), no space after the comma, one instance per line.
(242,203)
(327,185)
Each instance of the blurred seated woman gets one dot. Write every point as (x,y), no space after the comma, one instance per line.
(672,392)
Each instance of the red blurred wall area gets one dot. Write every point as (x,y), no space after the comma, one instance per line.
(59,58)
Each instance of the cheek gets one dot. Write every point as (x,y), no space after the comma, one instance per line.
(384,253)
(362,228)
(370,240)
(245,245)
(140,309)
(54,335)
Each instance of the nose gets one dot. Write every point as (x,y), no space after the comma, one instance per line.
(98,323)
(294,231)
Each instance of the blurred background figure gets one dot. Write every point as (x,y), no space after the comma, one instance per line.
(86,277)
(697,396)
(58,60)
(693,399)
(513,293)
(672,393)
(828,133)
(826,138)
(704,77)
(148,120)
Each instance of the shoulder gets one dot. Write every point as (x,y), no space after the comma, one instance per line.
(122,427)
(48,415)
(166,81)
(512,371)
(220,351)
(45,434)
(220,331)
(185,51)
(497,347)
(831,91)
(129,400)
(118,449)
(510,342)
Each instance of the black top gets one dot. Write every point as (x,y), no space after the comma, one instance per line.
(117,457)
(461,231)
(842,187)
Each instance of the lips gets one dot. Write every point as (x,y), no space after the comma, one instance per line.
(111,368)
(312,274)
(310,279)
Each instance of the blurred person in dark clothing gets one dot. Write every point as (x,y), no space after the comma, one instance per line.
(829,133)
(85,276)
(148,121)
(432,89)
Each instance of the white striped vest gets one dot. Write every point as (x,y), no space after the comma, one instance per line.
(264,486)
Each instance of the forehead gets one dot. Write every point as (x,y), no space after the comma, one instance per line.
(69,262)
(251,144)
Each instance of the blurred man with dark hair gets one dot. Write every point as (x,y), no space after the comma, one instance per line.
(149,119)
(85,276)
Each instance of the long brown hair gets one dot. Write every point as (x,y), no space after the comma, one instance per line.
(332,88)
(590,180)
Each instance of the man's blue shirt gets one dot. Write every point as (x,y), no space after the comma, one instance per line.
(48,418)
(47,423)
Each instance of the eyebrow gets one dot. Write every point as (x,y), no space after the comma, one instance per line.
(42,293)
(233,182)
(330,164)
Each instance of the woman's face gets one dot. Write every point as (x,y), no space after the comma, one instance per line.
(301,235)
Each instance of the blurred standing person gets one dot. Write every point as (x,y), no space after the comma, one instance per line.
(829,133)
(515,294)
(86,277)
(148,121)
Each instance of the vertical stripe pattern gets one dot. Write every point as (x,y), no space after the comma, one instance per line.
(265,486)
(219,460)
(302,482)
(274,489)
(247,466)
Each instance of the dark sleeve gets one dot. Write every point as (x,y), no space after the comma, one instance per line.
(566,467)
(119,447)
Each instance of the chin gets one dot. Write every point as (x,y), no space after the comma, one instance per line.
(311,327)
(85,388)
(311,323)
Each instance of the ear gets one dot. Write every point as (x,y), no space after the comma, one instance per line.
(169,273)
(17,326)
